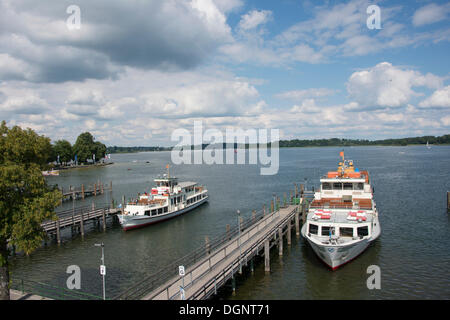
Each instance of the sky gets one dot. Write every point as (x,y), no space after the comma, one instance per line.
(131,72)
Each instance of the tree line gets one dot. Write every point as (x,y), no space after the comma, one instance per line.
(445,139)
(84,148)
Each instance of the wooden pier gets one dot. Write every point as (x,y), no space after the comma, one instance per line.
(83,192)
(77,220)
(210,267)
(448,201)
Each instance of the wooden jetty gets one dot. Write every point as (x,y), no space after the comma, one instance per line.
(210,267)
(77,220)
(83,192)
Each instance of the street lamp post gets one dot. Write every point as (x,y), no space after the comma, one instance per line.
(102,267)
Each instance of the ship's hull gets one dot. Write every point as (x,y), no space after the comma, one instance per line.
(335,256)
(139,221)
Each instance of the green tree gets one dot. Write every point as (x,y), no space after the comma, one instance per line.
(84,147)
(25,198)
(63,148)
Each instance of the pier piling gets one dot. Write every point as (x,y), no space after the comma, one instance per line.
(104,219)
(267,256)
(280,241)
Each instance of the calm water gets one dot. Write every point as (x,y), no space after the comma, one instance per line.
(413,251)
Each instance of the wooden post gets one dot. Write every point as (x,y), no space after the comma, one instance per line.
(280,241)
(289,233)
(264,210)
(297,223)
(266,256)
(82,191)
(95,189)
(207,244)
(284,199)
(271,206)
(101,188)
(296,190)
(448,201)
(104,219)
(228,232)
(110,185)
(93,206)
(302,188)
(290,197)
(58,232)
(82,224)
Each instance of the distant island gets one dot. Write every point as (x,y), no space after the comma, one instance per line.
(296,143)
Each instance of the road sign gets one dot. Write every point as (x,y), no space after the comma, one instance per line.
(181,271)
(103,270)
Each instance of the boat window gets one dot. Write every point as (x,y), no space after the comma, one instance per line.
(165,209)
(313,228)
(326,231)
(359,186)
(346,232)
(147,212)
(337,186)
(159,210)
(348,186)
(326,186)
(153,212)
(363,231)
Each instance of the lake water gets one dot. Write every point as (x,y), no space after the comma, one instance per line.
(413,251)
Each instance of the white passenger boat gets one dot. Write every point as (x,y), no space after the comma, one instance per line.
(342,220)
(168,199)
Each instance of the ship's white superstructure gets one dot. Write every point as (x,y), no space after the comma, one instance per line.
(342,220)
(168,199)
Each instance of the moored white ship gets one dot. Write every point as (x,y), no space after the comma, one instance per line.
(168,199)
(342,220)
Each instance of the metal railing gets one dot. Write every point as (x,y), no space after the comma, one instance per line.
(157,279)
(45,290)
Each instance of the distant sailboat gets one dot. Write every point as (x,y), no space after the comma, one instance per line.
(428,145)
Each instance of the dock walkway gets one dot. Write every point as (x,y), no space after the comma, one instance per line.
(211,266)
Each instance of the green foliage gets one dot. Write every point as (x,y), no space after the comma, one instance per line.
(445,139)
(63,148)
(116,149)
(85,147)
(25,198)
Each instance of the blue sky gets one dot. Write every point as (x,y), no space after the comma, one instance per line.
(135,71)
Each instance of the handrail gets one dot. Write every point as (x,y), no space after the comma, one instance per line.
(244,254)
(159,278)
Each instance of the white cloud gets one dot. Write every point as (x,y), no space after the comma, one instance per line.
(306,93)
(439,98)
(254,18)
(385,85)
(431,13)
